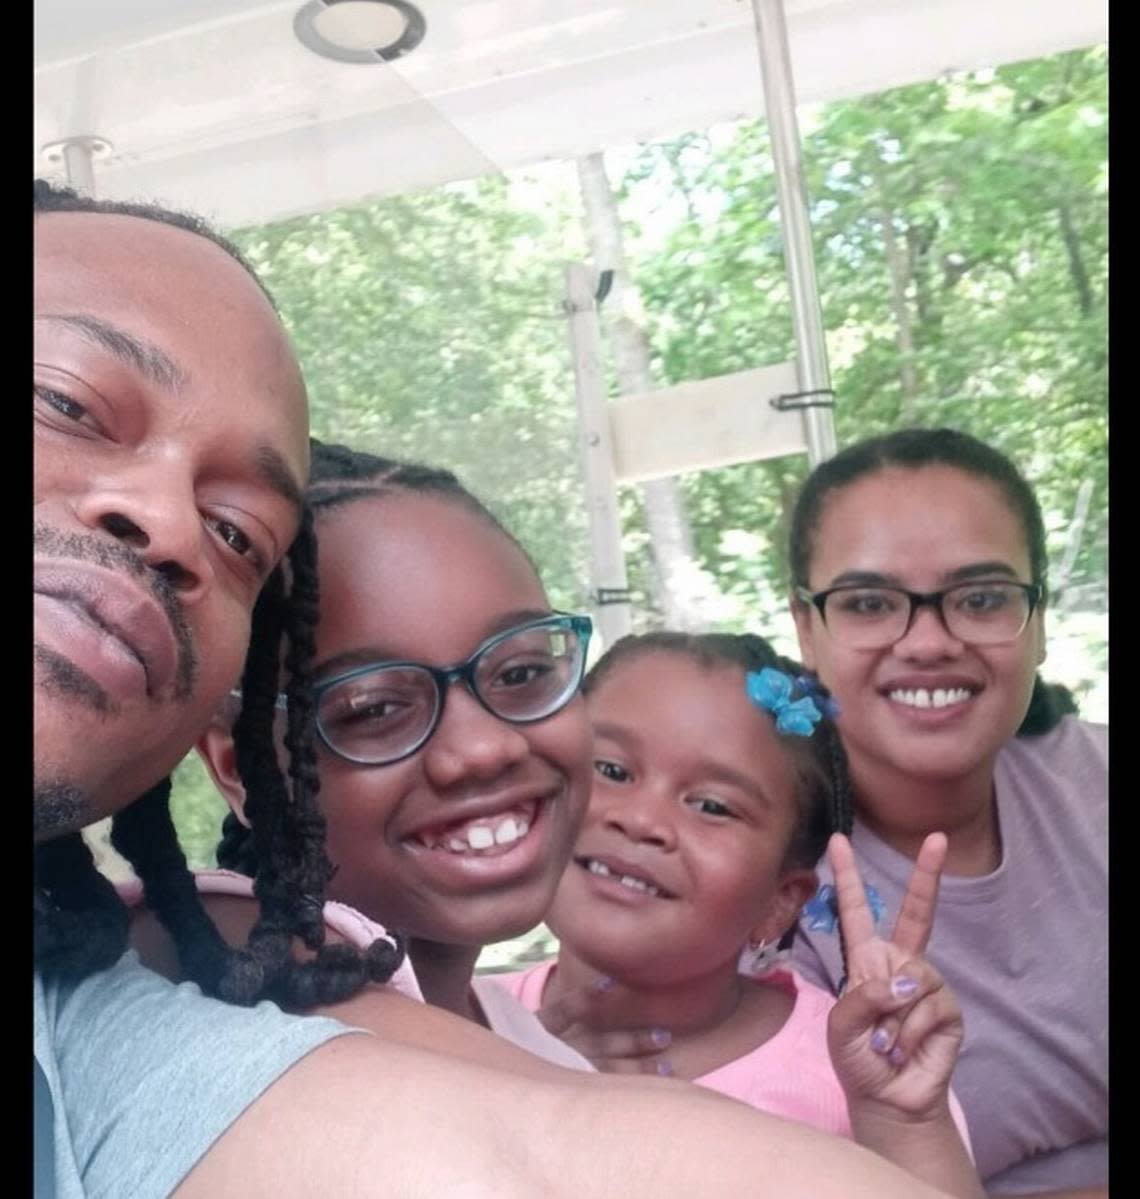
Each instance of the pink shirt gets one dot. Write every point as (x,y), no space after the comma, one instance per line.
(789,1075)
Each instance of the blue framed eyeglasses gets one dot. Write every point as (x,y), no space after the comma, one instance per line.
(379,714)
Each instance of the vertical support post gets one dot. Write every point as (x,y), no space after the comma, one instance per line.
(608,582)
(77,156)
(77,160)
(807,316)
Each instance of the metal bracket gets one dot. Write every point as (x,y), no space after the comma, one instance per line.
(98,147)
(801,399)
(612,595)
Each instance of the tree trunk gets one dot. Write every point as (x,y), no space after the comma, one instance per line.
(1077,270)
(900,305)
(682,581)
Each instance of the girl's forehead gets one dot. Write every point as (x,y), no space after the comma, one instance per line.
(417,575)
(660,689)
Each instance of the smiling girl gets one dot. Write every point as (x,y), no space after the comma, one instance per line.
(453,759)
(715,790)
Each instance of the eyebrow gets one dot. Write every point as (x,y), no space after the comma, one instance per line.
(375,655)
(271,466)
(872,578)
(135,352)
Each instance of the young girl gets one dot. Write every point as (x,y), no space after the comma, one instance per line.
(919,566)
(716,786)
(454,747)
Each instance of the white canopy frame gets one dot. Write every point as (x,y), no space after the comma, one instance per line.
(253,128)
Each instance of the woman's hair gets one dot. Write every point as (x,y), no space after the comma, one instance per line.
(81,925)
(824,795)
(911,449)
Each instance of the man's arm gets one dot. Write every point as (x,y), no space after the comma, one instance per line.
(361,1117)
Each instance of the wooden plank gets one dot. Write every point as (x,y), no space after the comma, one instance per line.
(706,423)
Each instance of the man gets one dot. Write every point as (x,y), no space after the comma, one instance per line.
(171,446)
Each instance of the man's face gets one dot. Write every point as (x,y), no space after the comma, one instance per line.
(171,446)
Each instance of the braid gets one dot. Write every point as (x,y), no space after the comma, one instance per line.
(284,847)
(305,819)
(843,821)
(269,944)
(144,834)
(80,923)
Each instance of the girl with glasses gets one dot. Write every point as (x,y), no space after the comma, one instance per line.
(919,572)
(453,746)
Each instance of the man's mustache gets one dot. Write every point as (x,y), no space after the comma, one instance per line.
(114,555)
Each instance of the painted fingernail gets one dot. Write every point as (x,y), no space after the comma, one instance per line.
(661,1037)
(880,1039)
(603,984)
(903,987)
(664,1069)
(896,1056)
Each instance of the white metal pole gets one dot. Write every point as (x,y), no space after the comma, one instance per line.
(807,316)
(77,159)
(608,580)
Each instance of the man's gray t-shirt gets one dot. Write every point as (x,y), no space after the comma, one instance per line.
(1026,951)
(145,1075)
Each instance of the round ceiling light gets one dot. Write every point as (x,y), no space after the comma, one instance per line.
(365,31)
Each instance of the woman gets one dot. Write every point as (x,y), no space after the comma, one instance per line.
(919,572)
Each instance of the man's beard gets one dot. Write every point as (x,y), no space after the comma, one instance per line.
(58,808)
(60,677)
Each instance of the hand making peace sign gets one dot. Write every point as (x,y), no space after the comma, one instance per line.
(896,1033)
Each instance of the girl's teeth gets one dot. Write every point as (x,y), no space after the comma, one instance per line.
(626,880)
(479,837)
(506,832)
(939,698)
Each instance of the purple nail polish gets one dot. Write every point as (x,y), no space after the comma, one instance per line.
(661,1037)
(603,984)
(896,1056)
(664,1069)
(880,1039)
(903,987)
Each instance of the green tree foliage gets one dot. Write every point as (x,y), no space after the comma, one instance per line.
(961,247)
(960,234)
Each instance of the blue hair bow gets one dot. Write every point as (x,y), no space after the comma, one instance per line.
(772,690)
